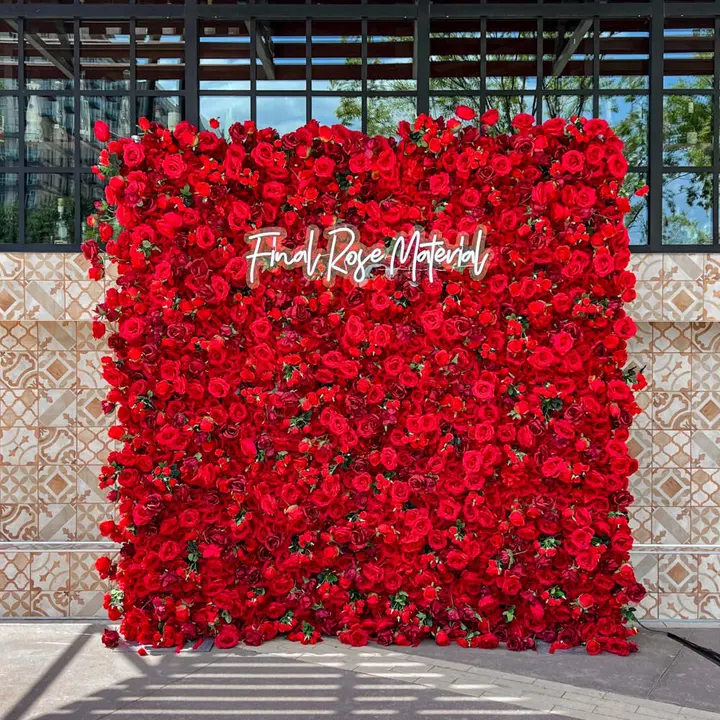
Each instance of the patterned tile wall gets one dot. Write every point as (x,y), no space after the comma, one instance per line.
(53,436)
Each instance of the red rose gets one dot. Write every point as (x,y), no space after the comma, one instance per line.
(133,154)
(572,161)
(464,112)
(110,638)
(174,166)
(490,117)
(228,637)
(101,131)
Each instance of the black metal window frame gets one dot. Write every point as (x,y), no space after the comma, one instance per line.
(421,13)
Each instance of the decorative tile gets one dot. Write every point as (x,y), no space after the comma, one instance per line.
(57,369)
(89,370)
(671,525)
(705,371)
(88,488)
(18,370)
(672,371)
(644,400)
(57,408)
(642,341)
(705,487)
(640,446)
(51,571)
(12,299)
(671,487)
(646,267)
(89,516)
(14,572)
(19,407)
(44,266)
(85,340)
(18,485)
(683,266)
(87,604)
(81,298)
(647,305)
(671,337)
(706,525)
(640,522)
(682,300)
(678,606)
(59,335)
(11,266)
(18,336)
(671,411)
(671,448)
(15,604)
(641,486)
(705,449)
(83,575)
(49,604)
(19,522)
(57,484)
(646,570)
(709,573)
(89,409)
(57,522)
(57,445)
(649,607)
(708,607)
(44,300)
(678,573)
(706,410)
(93,445)
(712,268)
(18,445)
(711,301)
(706,337)
(76,266)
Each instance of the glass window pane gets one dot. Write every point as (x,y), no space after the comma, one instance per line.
(636,220)
(687,209)
(224,56)
(49,130)
(285,114)
(687,129)
(9,204)
(337,110)
(567,60)
(511,55)
(105,55)
(225,109)
(628,115)
(9,142)
(92,190)
(164,110)
(160,54)
(455,55)
(385,113)
(113,110)
(49,57)
(624,54)
(337,58)
(688,53)
(565,106)
(8,56)
(49,208)
(280,55)
(390,58)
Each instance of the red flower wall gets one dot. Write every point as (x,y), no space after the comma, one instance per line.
(389,462)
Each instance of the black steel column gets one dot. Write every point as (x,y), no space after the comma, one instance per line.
(655,141)
(422,56)
(192,64)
